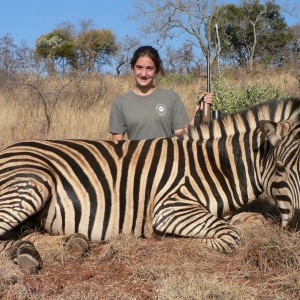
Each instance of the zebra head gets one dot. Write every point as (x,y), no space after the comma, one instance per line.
(281,169)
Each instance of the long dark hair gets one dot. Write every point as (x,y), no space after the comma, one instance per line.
(150,52)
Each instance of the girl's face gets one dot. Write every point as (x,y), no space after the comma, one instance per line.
(144,71)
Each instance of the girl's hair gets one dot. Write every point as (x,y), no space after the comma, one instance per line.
(150,52)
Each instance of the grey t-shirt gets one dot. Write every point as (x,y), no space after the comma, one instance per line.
(145,117)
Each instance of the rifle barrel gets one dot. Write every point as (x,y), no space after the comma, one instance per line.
(206,107)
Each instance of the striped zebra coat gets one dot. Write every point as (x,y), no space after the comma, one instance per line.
(183,186)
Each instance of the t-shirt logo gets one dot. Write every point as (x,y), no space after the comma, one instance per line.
(161,109)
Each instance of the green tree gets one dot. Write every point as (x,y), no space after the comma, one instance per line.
(55,46)
(83,50)
(292,53)
(252,31)
(95,47)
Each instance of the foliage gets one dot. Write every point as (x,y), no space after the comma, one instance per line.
(56,43)
(252,31)
(80,50)
(236,99)
(292,50)
(95,46)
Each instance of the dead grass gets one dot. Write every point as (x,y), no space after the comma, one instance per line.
(266,266)
(83,107)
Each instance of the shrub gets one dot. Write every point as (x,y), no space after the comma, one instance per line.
(235,99)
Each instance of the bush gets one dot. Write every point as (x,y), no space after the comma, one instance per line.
(237,99)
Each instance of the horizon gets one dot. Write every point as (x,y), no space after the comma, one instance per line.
(29,20)
(33,22)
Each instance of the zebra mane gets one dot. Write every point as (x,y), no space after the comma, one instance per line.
(247,120)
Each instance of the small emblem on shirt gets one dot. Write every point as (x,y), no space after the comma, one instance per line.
(161,109)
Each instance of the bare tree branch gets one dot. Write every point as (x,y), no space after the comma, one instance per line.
(167,19)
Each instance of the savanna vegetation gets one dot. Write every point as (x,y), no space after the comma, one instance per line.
(266,266)
(58,91)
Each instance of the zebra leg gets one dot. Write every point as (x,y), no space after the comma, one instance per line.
(187,218)
(76,246)
(73,246)
(24,254)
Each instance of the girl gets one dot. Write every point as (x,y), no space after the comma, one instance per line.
(147,111)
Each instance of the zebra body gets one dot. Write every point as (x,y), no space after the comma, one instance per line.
(168,186)
(100,189)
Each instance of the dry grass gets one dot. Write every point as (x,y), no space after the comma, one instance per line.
(83,106)
(266,266)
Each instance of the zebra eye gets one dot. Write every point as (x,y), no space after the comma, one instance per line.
(280,166)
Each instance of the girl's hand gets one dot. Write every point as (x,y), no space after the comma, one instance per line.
(208,98)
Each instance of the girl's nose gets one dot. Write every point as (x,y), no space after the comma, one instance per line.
(144,72)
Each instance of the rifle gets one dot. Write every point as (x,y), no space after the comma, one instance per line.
(206,113)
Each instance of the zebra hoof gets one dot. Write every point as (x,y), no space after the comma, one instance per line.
(75,246)
(26,256)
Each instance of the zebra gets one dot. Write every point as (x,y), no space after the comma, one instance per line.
(185,186)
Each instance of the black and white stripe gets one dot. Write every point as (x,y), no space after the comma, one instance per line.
(182,186)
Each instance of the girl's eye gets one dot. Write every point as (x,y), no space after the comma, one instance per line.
(150,68)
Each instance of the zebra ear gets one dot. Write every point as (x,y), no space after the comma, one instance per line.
(274,132)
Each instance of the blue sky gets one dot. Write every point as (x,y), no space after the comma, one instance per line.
(26,20)
(29,19)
